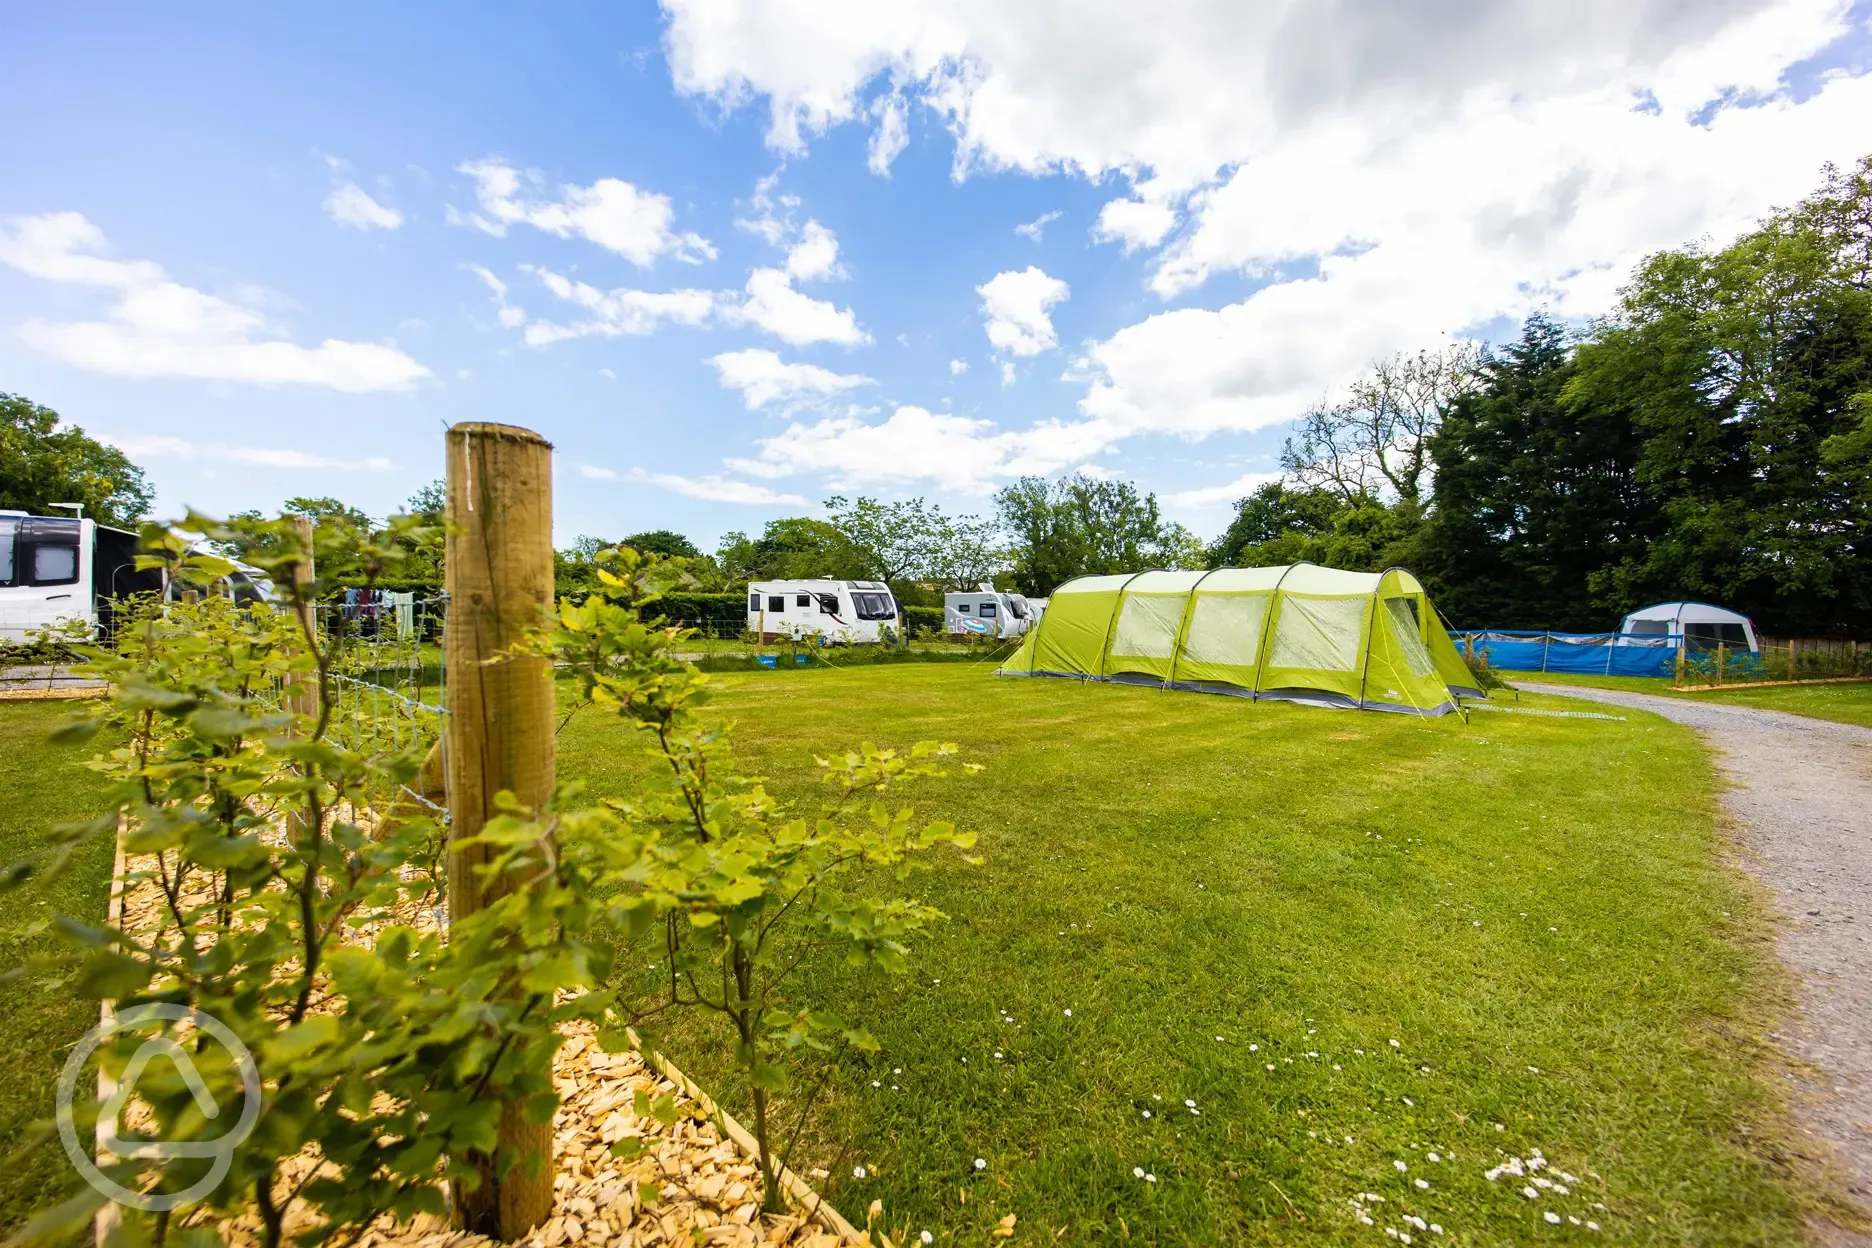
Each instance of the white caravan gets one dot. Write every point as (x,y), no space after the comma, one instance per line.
(986,612)
(842,612)
(57,571)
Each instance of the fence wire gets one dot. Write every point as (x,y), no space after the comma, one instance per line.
(388,689)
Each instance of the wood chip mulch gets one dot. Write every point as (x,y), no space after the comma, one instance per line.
(701,1188)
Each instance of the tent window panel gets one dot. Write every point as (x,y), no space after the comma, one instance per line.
(1147,627)
(1410,642)
(1226,630)
(1320,633)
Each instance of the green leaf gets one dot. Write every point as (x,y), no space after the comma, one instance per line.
(859,1038)
(60,1224)
(303,1038)
(76,731)
(109,975)
(767,1076)
(221,725)
(628,1147)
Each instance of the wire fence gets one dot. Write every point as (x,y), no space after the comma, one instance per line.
(387,688)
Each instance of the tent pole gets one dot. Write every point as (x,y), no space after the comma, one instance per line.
(1371,628)
(1105,654)
(1189,609)
(1267,628)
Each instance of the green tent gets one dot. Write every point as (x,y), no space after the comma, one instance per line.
(1301,633)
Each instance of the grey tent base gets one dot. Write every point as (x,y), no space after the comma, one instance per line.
(1310,697)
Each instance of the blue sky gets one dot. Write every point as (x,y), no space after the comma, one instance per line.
(822,206)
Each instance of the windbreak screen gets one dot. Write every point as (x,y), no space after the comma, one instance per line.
(1147,627)
(1225,630)
(1404,627)
(1319,633)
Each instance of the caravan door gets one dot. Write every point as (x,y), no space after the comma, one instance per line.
(45,574)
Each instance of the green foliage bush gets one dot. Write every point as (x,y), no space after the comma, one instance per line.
(397,1058)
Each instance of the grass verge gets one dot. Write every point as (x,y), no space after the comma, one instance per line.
(41,786)
(1274,957)
(1846,703)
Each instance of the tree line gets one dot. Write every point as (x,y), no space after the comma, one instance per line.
(1710,438)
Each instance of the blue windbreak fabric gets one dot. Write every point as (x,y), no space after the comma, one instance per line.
(1605,654)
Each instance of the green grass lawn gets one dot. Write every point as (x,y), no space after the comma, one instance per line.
(1352,940)
(41,786)
(1847,703)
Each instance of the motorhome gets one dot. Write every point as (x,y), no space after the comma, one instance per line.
(61,571)
(986,612)
(840,612)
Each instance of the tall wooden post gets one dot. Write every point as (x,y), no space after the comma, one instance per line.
(303,697)
(499,573)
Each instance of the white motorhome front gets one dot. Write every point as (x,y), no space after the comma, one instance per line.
(57,571)
(842,612)
(986,612)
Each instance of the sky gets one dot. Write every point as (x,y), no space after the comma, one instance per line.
(734,256)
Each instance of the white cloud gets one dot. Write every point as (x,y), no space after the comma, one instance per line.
(616,312)
(1384,173)
(1007,372)
(593,473)
(1422,240)
(163,446)
(891,136)
(1189,90)
(957,367)
(718,489)
(814,255)
(509,315)
(1218,495)
(772,304)
(1016,306)
(612,213)
(1036,228)
(349,204)
(764,379)
(156,327)
(1134,222)
(913,444)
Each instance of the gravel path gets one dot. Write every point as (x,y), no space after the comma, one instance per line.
(1802,793)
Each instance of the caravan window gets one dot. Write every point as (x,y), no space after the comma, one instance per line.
(802,600)
(8,527)
(776,603)
(1018,606)
(962,608)
(987,610)
(753,602)
(828,604)
(875,606)
(54,564)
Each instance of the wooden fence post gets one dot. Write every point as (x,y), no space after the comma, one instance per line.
(498,570)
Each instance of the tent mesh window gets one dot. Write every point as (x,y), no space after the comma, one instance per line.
(1147,627)
(1225,629)
(1404,626)
(1320,633)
